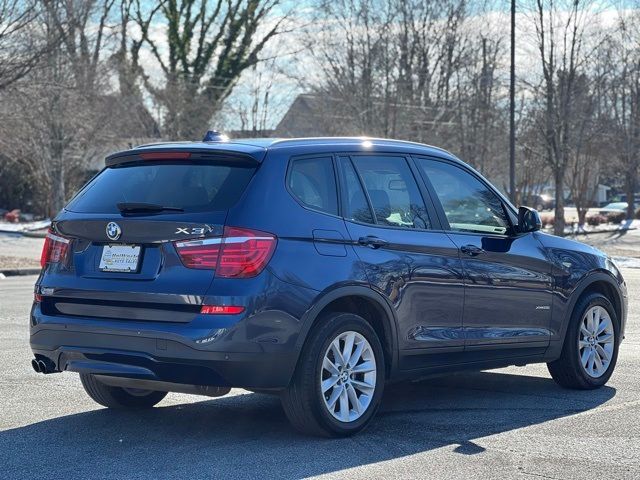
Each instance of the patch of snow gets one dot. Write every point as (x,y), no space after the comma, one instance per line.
(24,226)
(627,262)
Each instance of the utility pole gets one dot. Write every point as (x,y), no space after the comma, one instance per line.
(512,107)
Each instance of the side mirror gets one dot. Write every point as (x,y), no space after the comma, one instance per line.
(528,220)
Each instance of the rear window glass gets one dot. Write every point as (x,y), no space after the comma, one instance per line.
(312,181)
(192,187)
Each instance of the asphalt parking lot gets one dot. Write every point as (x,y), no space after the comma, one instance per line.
(508,423)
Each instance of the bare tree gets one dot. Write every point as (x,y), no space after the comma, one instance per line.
(624,94)
(58,114)
(258,100)
(209,45)
(354,55)
(391,66)
(20,50)
(560,32)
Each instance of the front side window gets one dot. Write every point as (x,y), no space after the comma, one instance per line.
(312,182)
(392,191)
(469,205)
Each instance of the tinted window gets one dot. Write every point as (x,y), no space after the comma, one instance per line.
(312,181)
(393,191)
(468,204)
(194,187)
(355,203)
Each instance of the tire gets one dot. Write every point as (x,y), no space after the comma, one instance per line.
(304,402)
(568,370)
(118,397)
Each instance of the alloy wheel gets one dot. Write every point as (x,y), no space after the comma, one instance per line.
(596,341)
(348,376)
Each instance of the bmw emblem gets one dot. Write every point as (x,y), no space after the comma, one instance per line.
(113,231)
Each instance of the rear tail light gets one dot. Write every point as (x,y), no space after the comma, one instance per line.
(201,254)
(239,253)
(55,249)
(244,252)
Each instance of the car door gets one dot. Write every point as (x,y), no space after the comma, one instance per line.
(405,254)
(508,283)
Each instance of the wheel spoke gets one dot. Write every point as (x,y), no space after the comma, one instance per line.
(357,353)
(591,322)
(604,324)
(363,386)
(364,367)
(604,355)
(348,347)
(607,338)
(353,396)
(585,357)
(329,382)
(344,405)
(584,330)
(597,362)
(335,395)
(335,348)
(583,344)
(596,319)
(591,361)
(329,366)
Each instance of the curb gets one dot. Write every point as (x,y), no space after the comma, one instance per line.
(14,272)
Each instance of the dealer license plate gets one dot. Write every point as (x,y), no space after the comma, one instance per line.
(120,258)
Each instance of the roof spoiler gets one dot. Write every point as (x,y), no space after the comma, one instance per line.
(179,153)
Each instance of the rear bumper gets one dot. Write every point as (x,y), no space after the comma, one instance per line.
(149,351)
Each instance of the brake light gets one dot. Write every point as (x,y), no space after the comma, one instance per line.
(221,309)
(165,155)
(55,249)
(239,253)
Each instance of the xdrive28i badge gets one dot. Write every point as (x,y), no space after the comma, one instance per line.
(113,231)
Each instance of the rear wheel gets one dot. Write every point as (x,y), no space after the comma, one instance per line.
(338,383)
(590,348)
(119,397)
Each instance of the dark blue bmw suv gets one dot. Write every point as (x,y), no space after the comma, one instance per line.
(317,269)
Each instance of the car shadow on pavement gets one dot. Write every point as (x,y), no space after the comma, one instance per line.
(248,436)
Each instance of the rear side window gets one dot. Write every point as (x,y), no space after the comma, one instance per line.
(393,192)
(193,187)
(312,182)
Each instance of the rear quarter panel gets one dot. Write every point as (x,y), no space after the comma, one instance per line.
(299,260)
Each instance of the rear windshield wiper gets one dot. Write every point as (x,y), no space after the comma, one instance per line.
(133,207)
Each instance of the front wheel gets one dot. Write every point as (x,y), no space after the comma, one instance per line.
(119,397)
(338,383)
(591,344)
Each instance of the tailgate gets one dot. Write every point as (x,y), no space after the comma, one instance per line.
(121,261)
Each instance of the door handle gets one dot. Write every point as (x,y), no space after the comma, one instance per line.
(372,241)
(471,250)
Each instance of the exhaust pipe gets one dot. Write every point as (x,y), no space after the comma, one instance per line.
(36,366)
(43,366)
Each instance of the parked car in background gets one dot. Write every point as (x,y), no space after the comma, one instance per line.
(542,202)
(614,211)
(320,270)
